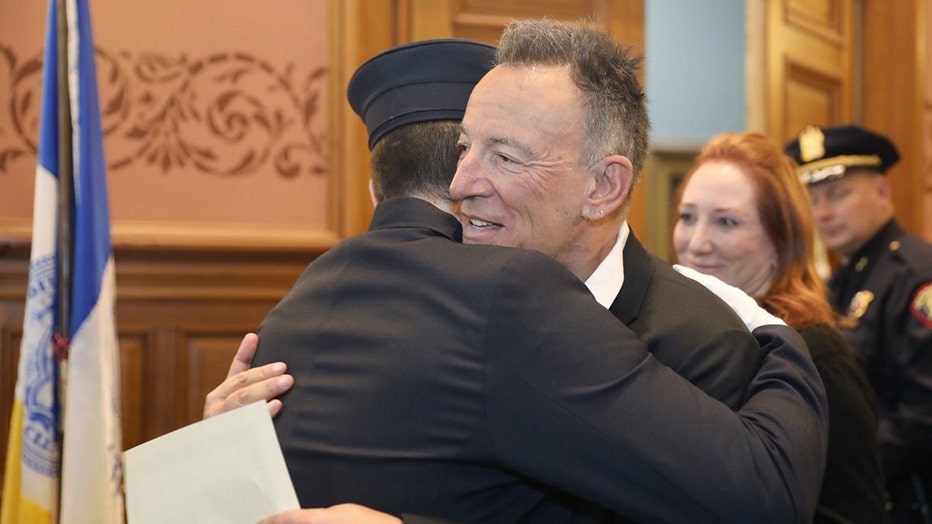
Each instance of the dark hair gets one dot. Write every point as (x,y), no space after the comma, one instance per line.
(416,160)
(603,71)
(797,294)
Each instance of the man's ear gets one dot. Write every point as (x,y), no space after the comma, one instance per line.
(372,195)
(883,187)
(612,179)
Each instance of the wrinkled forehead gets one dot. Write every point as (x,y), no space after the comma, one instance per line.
(527,103)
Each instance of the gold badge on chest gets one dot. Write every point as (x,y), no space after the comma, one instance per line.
(858,305)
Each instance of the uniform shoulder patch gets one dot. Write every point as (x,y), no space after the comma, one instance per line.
(921,304)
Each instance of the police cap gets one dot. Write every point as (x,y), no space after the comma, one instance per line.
(825,153)
(417,82)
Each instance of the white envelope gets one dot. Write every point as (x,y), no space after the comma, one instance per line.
(227,469)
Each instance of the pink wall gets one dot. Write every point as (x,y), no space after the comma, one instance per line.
(214,110)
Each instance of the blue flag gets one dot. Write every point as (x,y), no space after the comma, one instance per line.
(63,461)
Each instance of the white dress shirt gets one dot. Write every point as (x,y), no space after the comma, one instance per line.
(605,282)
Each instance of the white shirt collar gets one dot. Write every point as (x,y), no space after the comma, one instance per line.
(605,282)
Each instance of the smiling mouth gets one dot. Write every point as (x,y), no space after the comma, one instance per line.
(478,231)
(829,231)
(481,224)
(703,268)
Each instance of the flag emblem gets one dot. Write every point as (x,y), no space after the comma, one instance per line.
(41,451)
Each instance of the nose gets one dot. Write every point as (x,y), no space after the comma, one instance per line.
(469,180)
(821,210)
(700,241)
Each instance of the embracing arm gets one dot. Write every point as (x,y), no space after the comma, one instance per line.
(683,457)
(245,385)
(605,421)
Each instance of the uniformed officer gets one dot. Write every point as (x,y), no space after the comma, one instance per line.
(883,291)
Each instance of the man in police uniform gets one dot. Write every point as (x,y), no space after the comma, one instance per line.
(883,291)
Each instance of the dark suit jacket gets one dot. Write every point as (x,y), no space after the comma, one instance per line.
(446,379)
(685,326)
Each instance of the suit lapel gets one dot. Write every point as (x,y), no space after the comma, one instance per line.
(639,269)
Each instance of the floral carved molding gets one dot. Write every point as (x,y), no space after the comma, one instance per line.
(226,114)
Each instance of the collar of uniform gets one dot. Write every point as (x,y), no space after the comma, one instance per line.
(876,246)
(415,212)
(605,282)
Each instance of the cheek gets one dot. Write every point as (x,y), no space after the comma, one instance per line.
(754,253)
(736,251)
(520,197)
(852,208)
(680,238)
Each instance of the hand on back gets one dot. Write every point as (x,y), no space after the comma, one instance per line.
(245,385)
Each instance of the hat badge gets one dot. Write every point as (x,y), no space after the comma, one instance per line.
(811,144)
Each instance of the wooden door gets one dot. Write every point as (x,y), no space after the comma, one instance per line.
(808,55)
(829,62)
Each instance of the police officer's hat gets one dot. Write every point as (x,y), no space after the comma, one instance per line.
(417,82)
(828,152)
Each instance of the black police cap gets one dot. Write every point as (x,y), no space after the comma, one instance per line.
(824,153)
(417,82)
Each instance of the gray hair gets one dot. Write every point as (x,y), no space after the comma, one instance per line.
(605,73)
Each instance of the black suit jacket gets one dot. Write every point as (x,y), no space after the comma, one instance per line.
(446,379)
(685,326)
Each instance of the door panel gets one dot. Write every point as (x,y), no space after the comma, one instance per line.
(810,64)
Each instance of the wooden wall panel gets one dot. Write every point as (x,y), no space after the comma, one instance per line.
(895,77)
(359,29)
(10,337)
(812,97)
(205,363)
(827,19)
(133,380)
(484,20)
(810,65)
(926,203)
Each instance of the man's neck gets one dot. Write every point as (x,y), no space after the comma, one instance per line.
(593,247)
(844,258)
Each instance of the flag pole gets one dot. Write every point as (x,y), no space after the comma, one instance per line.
(91,489)
(65,208)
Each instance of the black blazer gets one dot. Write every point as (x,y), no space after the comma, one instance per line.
(685,326)
(457,380)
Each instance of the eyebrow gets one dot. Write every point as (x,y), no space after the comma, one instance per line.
(715,210)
